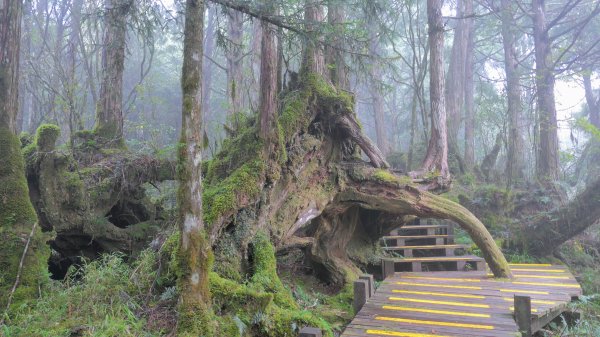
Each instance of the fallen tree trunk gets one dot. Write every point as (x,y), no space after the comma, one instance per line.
(552,229)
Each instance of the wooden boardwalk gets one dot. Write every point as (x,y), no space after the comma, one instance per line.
(461,303)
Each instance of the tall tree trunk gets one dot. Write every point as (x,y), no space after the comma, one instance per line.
(338,72)
(436,158)
(547,165)
(515,161)
(375,79)
(21,238)
(207,67)
(469,159)
(109,112)
(313,60)
(234,60)
(454,90)
(195,252)
(268,81)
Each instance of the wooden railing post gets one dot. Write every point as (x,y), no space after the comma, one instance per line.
(370,282)
(387,267)
(310,332)
(361,294)
(523,314)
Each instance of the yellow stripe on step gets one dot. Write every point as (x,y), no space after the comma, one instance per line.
(535,292)
(544,276)
(432,311)
(436,323)
(513,309)
(400,334)
(437,285)
(453,303)
(443,279)
(431,293)
(541,270)
(531,264)
(510,299)
(560,285)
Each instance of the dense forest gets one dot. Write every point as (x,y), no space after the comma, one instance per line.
(228,167)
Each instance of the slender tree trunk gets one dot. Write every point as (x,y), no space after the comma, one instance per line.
(194,251)
(436,158)
(17,216)
(109,112)
(207,67)
(313,60)
(547,165)
(375,79)
(268,82)
(515,161)
(469,159)
(234,60)
(592,102)
(338,72)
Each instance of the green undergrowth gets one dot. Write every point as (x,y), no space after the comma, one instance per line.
(260,305)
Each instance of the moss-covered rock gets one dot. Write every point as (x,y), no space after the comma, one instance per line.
(46,136)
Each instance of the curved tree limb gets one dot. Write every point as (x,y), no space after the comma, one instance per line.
(412,201)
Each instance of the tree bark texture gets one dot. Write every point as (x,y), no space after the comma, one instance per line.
(235,29)
(436,158)
(515,161)
(10,35)
(313,60)
(268,83)
(338,72)
(547,164)
(109,112)
(592,102)
(194,251)
(207,67)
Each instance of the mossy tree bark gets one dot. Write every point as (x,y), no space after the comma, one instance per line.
(195,254)
(17,216)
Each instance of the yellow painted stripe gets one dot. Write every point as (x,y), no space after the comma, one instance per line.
(453,303)
(509,299)
(531,264)
(436,323)
(431,293)
(544,276)
(437,285)
(532,309)
(524,291)
(400,334)
(443,279)
(541,270)
(548,284)
(432,311)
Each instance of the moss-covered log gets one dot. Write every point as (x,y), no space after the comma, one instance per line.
(551,229)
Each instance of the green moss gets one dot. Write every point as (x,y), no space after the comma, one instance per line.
(294,116)
(46,136)
(17,217)
(388,177)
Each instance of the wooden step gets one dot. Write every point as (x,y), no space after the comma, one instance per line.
(440,239)
(427,247)
(417,262)
(408,250)
(423,226)
(407,237)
